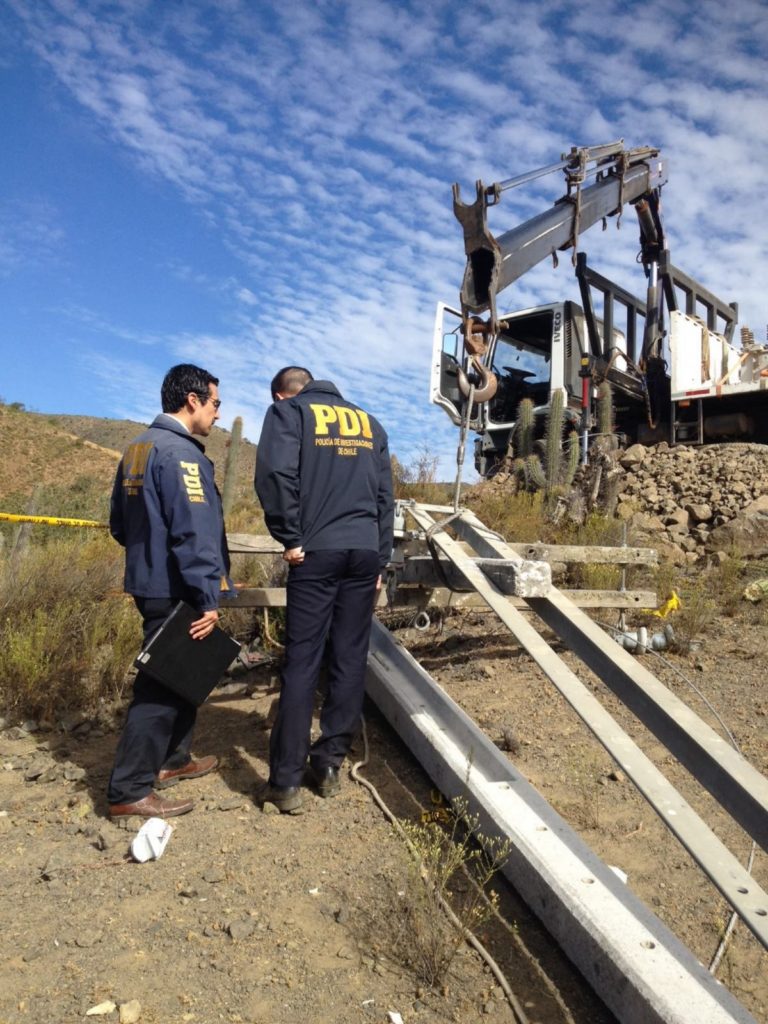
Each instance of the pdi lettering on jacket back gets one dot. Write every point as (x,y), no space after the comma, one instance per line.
(342,428)
(192,482)
(134,466)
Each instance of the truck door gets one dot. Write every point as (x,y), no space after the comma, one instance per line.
(447,356)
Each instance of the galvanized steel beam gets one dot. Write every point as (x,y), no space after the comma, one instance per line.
(632,960)
(710,758)
(440,597)
(723,869)
(520,578)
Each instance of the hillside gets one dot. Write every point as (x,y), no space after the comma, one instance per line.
(116,434)
(291,920)
(63,465)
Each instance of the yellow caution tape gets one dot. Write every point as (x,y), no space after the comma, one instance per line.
(10,517)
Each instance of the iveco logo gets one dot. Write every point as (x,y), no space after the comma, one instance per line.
(558,327)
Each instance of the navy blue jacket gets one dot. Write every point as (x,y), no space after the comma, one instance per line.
(323,474)
(166,512)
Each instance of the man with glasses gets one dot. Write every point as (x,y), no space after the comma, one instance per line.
(166,512)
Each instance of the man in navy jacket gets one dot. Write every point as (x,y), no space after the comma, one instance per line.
(324,480)
(166,512)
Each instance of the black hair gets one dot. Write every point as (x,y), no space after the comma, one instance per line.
(290,380)
(182,379)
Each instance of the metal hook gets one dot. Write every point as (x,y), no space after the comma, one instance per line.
(488,383)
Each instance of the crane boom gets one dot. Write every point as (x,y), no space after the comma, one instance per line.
(668,358)
(495,263)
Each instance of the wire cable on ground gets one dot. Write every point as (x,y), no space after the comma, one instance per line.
(471,939)
(514,934)
(267,635)
(725,939)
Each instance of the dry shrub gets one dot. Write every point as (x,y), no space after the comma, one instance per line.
(246,516)
(758,613)
(83,497)
(417,480)
(705,597)
(67,633)
(522,518)
(519,518)
(258,570)
(452,863)
(698,610)
(727,579)
(664,578)
(596,531)
(245,624)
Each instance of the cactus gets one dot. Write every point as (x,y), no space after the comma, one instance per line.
(535,477)
(230,469)
(601,481)
(572,461)
(520,443)
(605,415)
(523,430)
(554,442)
(547,465)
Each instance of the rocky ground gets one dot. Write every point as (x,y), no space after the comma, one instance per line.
(694,502)
(257,917)
(482,667)
(251,917)
(247,916)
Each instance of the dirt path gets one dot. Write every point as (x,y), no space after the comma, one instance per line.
(247,917)
(251,917)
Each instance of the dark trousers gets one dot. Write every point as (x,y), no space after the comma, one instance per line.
(158,728)
(330,596)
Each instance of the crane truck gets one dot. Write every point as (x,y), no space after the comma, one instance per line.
(669,358)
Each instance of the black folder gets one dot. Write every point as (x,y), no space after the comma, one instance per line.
(191,668)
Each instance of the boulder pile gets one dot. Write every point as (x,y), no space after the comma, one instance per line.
(694,503)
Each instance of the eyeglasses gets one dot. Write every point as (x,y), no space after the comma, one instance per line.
(215,402)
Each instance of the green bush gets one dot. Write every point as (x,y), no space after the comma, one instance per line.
(67,632)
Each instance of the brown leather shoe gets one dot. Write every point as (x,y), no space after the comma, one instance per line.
(192,770)
(151,806)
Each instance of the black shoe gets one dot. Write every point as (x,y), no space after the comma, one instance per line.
(287,799)
(327,780)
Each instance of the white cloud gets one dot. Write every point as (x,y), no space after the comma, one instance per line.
(31,235)
(321,141)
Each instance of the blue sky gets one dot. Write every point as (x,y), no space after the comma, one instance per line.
(248,184)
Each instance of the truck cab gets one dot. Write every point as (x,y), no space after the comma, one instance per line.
(669,359)
(536,352)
